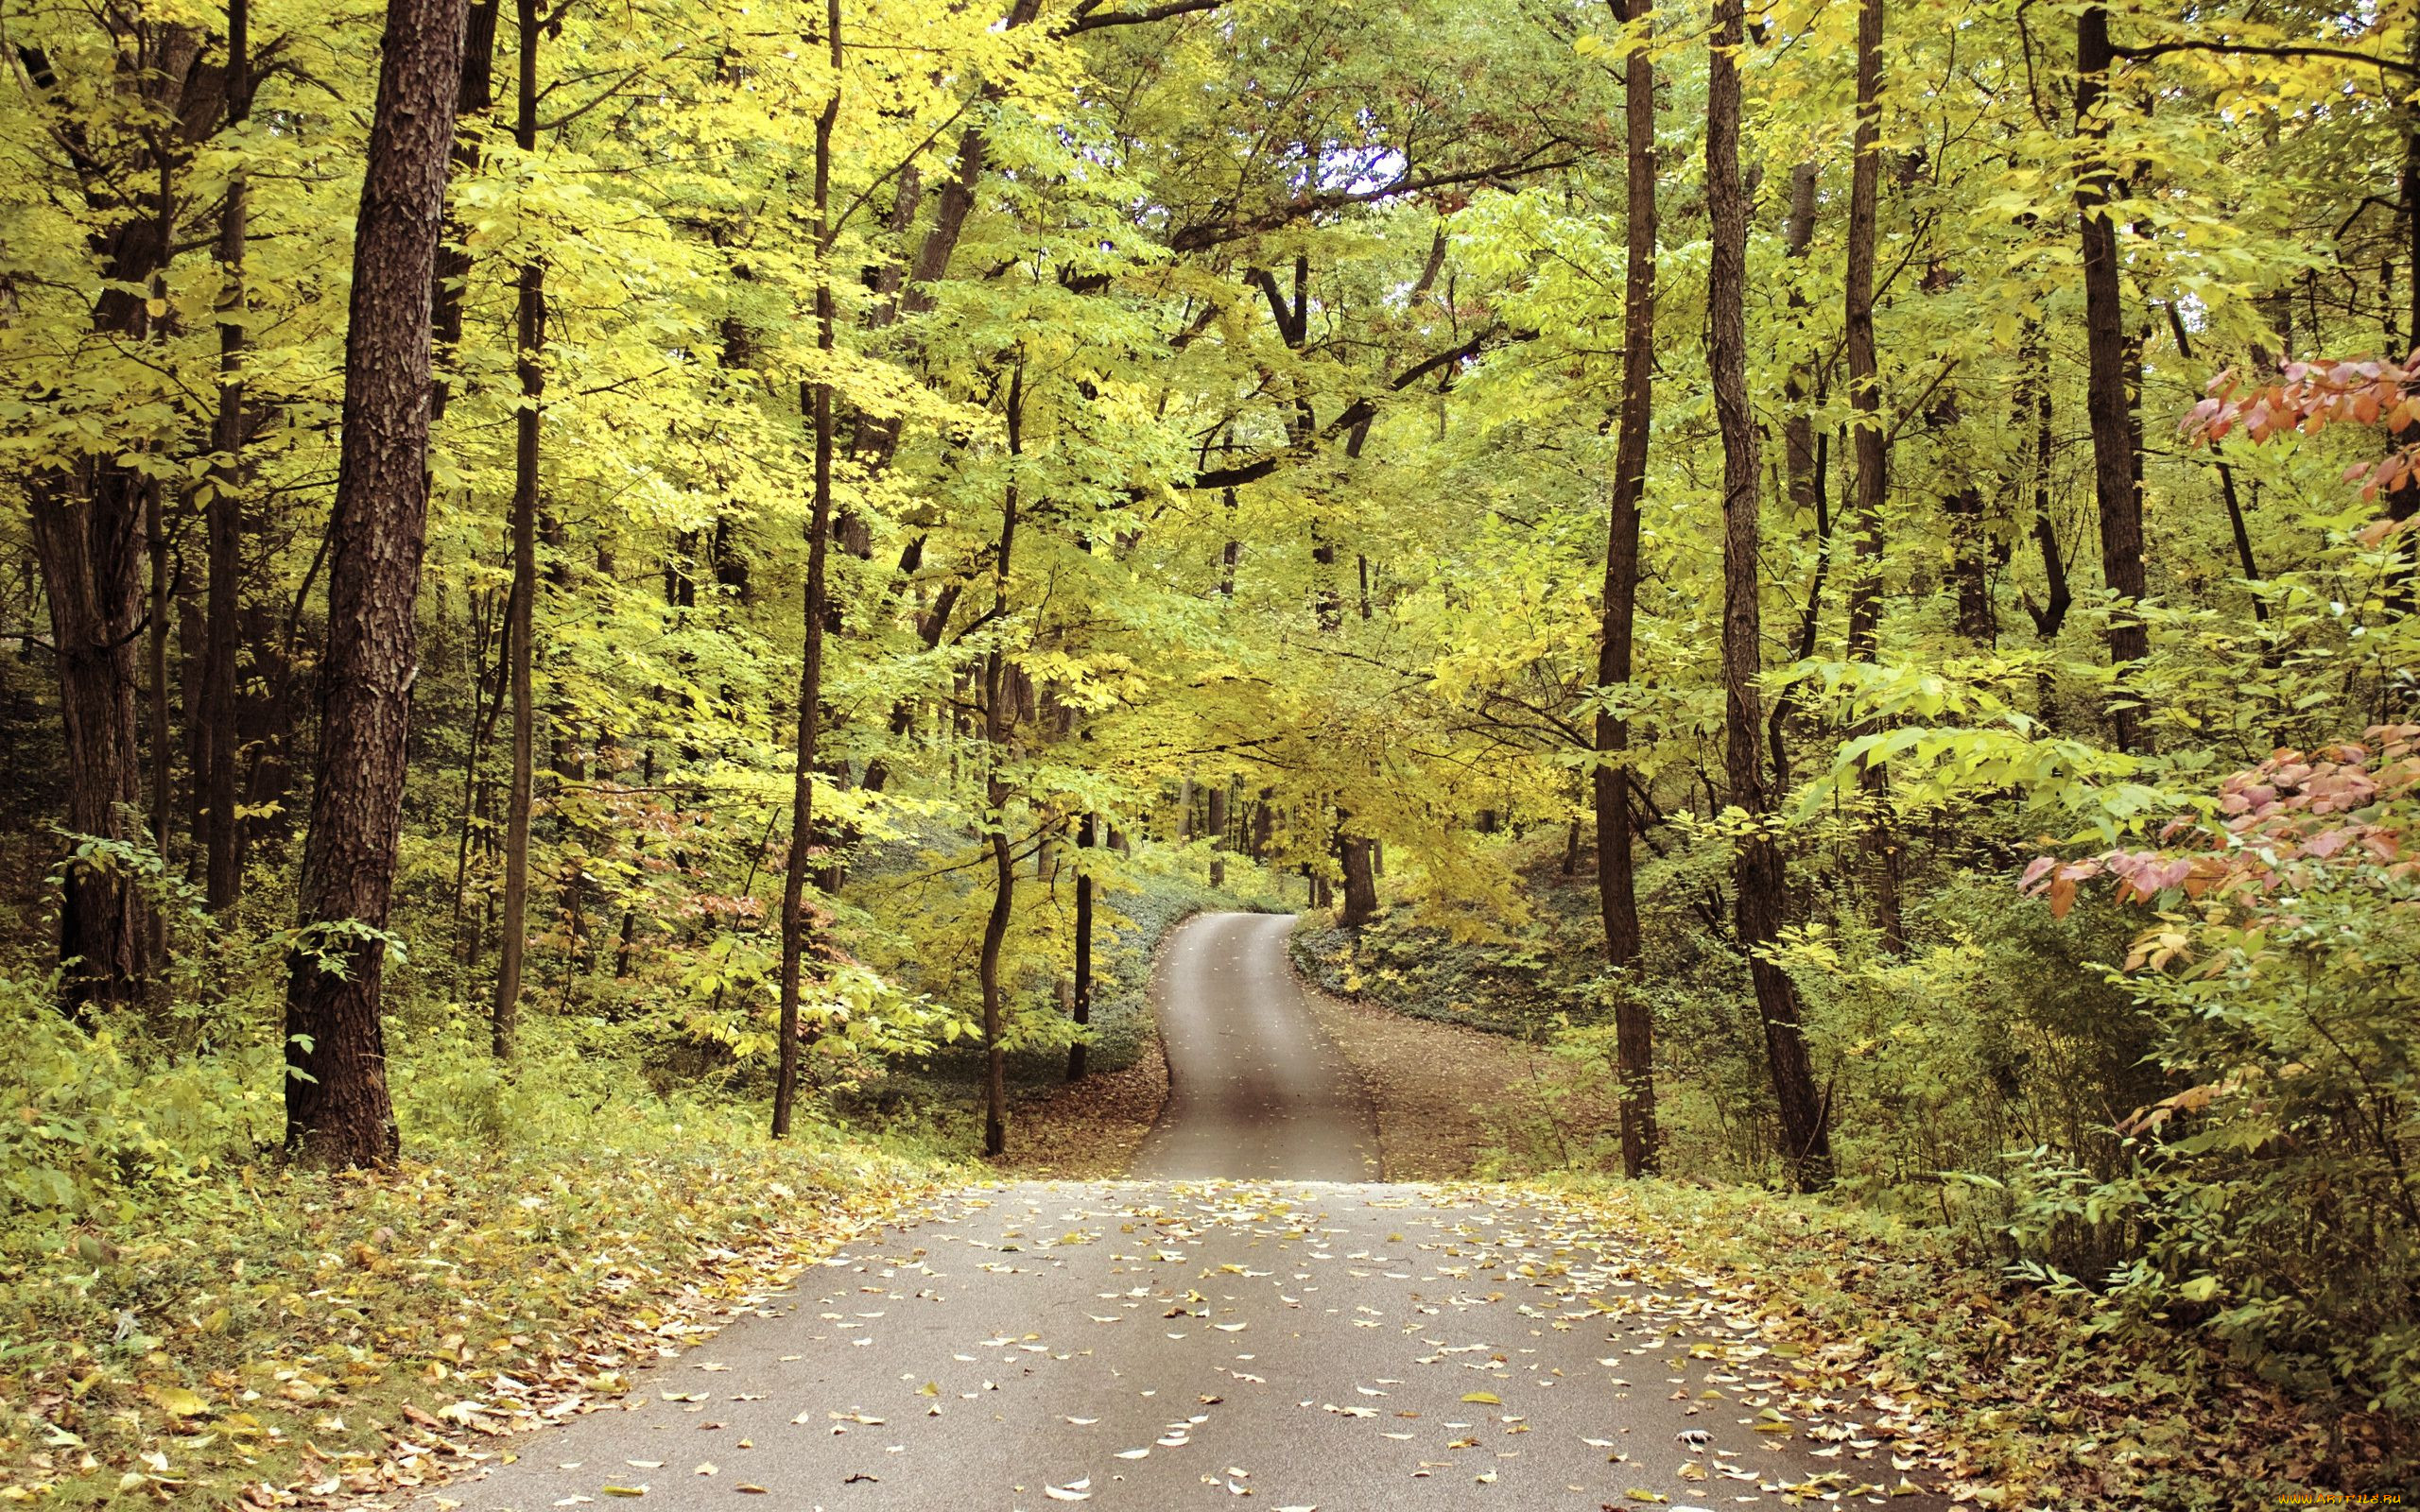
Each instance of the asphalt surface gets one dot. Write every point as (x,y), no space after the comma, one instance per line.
(1255,1091)
(1225,1333)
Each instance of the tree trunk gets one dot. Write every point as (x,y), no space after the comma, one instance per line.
(223,517)
(1616,892)
(519,622)
(155,534)
(2033,407)
(1361,882)
(1870,449)
(1218,801)
(90,552)
(337,1111)
(474,96)
(2111,416)
(997,723)
(1803,465)
(1080,1008)
(1759,876)
(812,612)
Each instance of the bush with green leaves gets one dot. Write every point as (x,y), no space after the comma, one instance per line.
(2275,1192)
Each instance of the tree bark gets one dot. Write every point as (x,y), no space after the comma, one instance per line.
(1218,801)
(1080,1008)
(1758,877)
(813,610)
(216,733)
(1360,879)
(1616,892)
(474,96)
(520,620)
(1872,451)
(2115,485)
(338,1110)
(998,724)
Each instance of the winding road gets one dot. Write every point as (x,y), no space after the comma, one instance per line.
(1258,1318)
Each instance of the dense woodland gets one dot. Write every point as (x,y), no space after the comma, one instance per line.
(1847,557)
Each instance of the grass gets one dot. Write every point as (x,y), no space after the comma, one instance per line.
(240,1327)
(2045,1402)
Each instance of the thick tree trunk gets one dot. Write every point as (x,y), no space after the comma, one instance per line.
(1759,881)
(337,1111)
(155,534)
(1360,879)
(2107,406)
(520,621)
(91,552)
(86,521)
(1616,892)
(813,613)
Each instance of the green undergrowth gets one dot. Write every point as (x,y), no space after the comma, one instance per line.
(1526,982)
(182,1313)
(2043,1402)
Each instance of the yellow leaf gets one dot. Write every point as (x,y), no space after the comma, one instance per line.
(1484,1398)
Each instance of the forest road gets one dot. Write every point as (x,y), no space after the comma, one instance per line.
(1234,1328)
(1255,1090)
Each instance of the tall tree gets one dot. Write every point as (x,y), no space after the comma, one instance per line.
(1758,883)
(815,611)
(520,618)
(1080,1008)
(1871,448)
(338,1109)
(998,723)
(222,514)
(86,512)
(1616,891)
(2108,402)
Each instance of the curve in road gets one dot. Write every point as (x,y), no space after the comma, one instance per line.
(1344,1346)
(1255,1091)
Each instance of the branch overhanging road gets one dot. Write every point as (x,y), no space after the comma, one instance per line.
(1258,1319)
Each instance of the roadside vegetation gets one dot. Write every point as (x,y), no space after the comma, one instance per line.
(620,627)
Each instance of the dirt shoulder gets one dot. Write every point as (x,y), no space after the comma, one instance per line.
(1088,1130)
(1456,1101)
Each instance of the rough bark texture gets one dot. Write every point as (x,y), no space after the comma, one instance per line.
(1353,859)
(1758,880)
(337,1112)
(2115,490)
(1616,893)
(813,612)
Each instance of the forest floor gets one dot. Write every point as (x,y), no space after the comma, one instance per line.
(1453,1102)
(1088,1130)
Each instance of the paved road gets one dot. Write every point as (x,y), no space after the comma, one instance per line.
(1255,1091)
(1185,1343)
